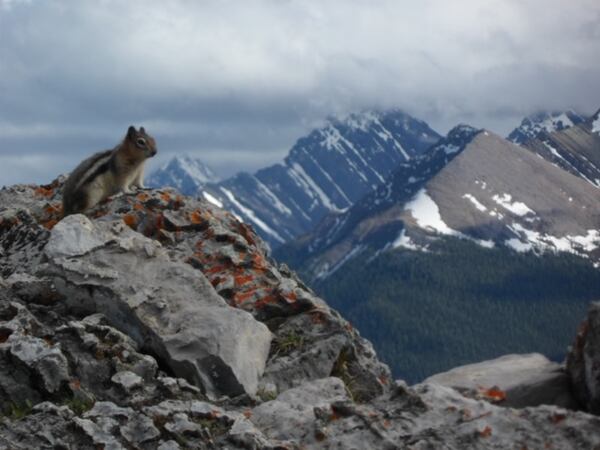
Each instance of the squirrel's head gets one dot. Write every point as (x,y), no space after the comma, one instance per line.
(139,141)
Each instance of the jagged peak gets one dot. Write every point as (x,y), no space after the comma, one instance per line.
(544,122)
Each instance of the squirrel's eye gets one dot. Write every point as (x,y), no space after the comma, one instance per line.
(141,142)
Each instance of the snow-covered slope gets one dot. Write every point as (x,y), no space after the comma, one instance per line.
(491,191)
(326,171)
(548,122)
(185,173)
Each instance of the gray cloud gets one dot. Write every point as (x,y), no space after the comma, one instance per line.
(236,83)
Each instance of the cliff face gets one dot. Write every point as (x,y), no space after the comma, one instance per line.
(158,321)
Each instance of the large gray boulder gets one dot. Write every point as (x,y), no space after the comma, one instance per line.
(166,306)
(512,380)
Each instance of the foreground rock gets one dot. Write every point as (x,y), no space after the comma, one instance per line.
(513,380)
(583,361)
(165,306)
(159,322)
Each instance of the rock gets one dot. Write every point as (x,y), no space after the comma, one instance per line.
(292,414)
(181,424)
(583,361)
(161,303)
(512,380)
(102,435)
(44,360)
(168,445)
(139,429)
(127,380)
(75,236)
(157,295)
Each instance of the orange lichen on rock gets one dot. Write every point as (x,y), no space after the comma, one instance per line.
(53,209)
(196,217)
(142,197)
(49,224)
(259,261)
(165,196)
(215,269)
(44,191)
(240,280)
(493,394)
(486,432)
(130,220)
(241,297)
(265,300)
(290,297)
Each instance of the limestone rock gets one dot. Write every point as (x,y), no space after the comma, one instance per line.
(512,380)
(127,380)
(161,303)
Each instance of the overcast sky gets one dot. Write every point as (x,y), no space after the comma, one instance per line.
(237,82)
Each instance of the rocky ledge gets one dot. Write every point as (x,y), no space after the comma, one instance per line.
(158,321)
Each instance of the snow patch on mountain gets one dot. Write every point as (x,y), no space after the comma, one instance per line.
(211,199)
(427,214)
(309,184)
(404,241)
(475,202)
(518,208)
(528,240)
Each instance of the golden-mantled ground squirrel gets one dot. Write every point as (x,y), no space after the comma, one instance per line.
(108,173)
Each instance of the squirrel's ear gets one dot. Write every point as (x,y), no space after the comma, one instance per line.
(142,130)
(131,132)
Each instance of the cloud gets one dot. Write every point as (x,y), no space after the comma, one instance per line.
(237,82)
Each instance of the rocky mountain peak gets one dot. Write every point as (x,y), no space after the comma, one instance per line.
(158,321)
(184,173)
(544,122)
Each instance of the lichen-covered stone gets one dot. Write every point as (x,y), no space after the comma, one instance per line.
(164,304)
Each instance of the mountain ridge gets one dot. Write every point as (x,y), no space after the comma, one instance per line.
(184,173)
(544,122)
(327,170)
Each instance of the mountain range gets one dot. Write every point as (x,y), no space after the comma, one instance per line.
(327,170)
(481,232)
(331,168)
(487,231)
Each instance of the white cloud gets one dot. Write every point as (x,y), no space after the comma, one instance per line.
(219,70)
